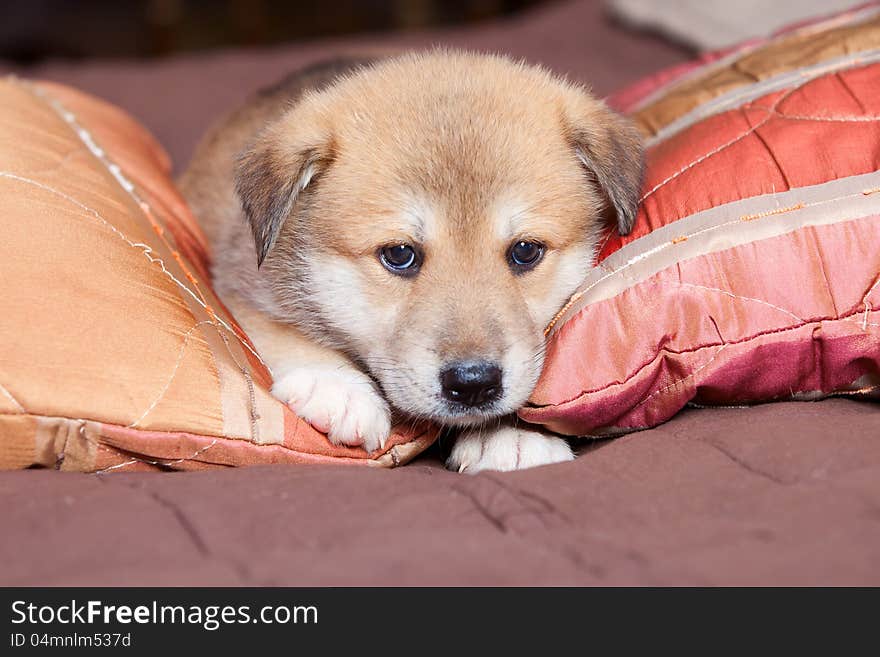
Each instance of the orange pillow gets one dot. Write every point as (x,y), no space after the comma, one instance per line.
(115,354)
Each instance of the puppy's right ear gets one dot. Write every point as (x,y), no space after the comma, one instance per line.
(273,172)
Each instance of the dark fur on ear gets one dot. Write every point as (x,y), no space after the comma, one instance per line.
(268,183)
(287,156)
(610,147)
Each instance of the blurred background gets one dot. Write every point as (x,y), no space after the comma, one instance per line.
(38,29)
(35,30)
(176,65)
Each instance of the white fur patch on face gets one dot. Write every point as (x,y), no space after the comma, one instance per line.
(508,216)
(420,219)
(337,287)
(522,364)
(409,378)
(572,266)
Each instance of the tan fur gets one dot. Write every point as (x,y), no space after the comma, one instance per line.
(459,154)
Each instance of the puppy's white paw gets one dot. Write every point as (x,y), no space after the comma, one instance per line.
(506,448)
(339,401)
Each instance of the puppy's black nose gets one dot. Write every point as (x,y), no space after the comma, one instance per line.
(471,382)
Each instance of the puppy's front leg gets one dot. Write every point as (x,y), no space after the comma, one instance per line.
(321,385)
(509,446)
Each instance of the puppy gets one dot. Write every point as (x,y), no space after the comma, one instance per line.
(397,233)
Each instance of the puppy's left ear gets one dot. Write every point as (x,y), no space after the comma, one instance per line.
(610,147)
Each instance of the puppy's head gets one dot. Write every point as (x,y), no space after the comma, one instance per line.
(430,214)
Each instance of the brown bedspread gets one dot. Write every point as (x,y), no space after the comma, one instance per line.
(778,494)
(784,493)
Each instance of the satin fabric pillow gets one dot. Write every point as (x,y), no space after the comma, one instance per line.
(753,271)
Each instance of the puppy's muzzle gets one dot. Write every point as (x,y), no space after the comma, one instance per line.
(471,383)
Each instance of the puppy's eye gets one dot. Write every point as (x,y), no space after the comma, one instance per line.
(525,255)
(400,259)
